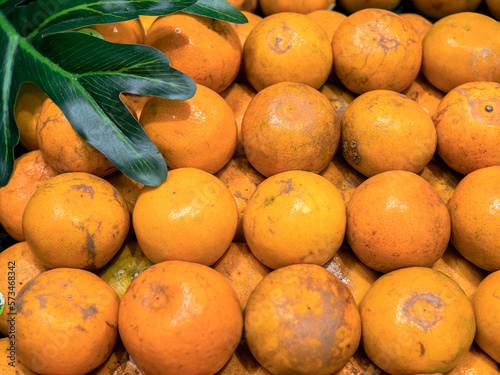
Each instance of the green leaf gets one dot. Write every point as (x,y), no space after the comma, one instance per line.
(220,10)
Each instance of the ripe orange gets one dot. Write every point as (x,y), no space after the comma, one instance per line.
(200,132)
(135,103)
(475,217)
(242,179)
(191,216)
(19,266)
(242,362)
(280,39)
(494,8)
(26,111)
(9,363)
(468,126)
(423,93)
(294,217)
(301,319)
(67,322)
(243,29)
(269,7)
(383,130)
(63,148)
(475,362)
(128,188)
(207,50)
(242,269)
(396,219)
(359,363)
(421,24)
(75,220)
(460,48)
(180,318)
(338,95)
(30,171)
(244,5)
(441,177)
(329,19)
(290,126)
(376,49)
(128,32)
(486,303)
(352,6)
(441,8)
(416,320)
(146,22)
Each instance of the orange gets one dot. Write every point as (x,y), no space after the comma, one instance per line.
(242,269)
(269,7)
(396,219)
(468,126)
(494,8)
(359,363)
(180,318)
(416,320)
(301,319)
(135,103)
(475,217)
(352,272)
(242,362)
(191,216)
(242,179)
(243,29)
(239,96)
(421,24)
(20,266)
(460,48)
(351,6)
(67,322)
(294,217)
(423,93)
(26,111)
(475,362)
(289,47)
(112,364)
(207,50)
(376,49)
(63,148)
(329,19)
(128,188)
(146,22)
(290,126)
(486,303)
(338,95)
(383,130)
(30,171)
(76,220)
(244,5)
(442,8)
(441,177)
(200,132)
(9,363)
(460,270)
(128,32)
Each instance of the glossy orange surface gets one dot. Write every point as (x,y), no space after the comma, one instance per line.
(28,105)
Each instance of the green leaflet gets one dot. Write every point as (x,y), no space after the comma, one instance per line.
(84,75)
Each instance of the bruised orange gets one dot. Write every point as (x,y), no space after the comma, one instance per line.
(376,49)
(396,219)
(468,126)
(76,220)
(338,95)
(416,320)
(269,7)
(191,216)
(302,319)
(294,217)
(67,322)
(441,8)
(290,126)
(180,317)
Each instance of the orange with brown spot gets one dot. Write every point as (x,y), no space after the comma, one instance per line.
(416,320)
(67,322)
(376,49)
(338,95)
(76,220)
(396,219)
(302,319)
(468,126)
(180,318)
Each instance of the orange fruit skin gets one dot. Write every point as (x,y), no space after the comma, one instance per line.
(20,266)
(421,24)
(329,19)
(126,32)
(242,362)
(64,312)
(416,320)
(76,220)
(301,319)
(180,318)
(441,177)
(441,8)
(352,6)
(468,126)
(475,362)
(207,50)
(396,219)
(134,103)
(376,49)
(9,363)
(294,217)
(243,29)
(280,39)
(269,7)
(63,148)
(423,93)
(191,216)
(475,220)
(146,22)
(290,126)
(494,8)
(460,48)
(338,95)
(200,132)
(486,303)
(383,130)
(242,269)
(128,188)
(30,171)
(244,5)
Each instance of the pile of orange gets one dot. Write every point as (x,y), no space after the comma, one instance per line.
(332,204)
